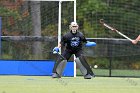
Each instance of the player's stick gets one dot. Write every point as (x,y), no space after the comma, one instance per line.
(56,53)
(113,29)
(60,55)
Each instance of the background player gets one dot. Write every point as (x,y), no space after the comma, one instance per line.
(136,40)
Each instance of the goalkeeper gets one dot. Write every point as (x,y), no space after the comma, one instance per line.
(136,40)
(73,41)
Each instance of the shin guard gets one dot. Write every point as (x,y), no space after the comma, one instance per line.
(59,67)
(83,66)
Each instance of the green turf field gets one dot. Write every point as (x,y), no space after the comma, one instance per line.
(45,84)
(114,72)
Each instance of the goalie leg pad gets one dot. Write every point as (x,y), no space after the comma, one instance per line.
(83,66)
(59,67)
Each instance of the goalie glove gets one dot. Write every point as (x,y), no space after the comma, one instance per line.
(55,50)
(90,44)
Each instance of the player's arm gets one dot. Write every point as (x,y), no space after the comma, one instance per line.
(136,40)
(57,48)
(59,45)
(88,43)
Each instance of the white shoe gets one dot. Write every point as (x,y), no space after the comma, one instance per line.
(55,75)
(88,76)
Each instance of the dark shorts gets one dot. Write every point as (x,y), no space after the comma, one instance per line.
(68,53)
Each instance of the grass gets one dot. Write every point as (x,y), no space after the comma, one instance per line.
(45,84)
(114,72)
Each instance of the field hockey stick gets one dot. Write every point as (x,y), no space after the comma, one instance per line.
(60,55)
(55,53)
(113,29)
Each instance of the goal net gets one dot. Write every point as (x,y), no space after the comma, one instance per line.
(34,18)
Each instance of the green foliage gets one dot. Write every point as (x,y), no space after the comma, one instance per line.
(7,12)
(87,11)
(51,30)
(86,7)
(123,14)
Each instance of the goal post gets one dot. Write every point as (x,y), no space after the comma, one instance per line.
(59,15)
(59,20)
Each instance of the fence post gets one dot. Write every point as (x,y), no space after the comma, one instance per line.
(110,57)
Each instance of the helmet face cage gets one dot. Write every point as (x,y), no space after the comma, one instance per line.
(74,27)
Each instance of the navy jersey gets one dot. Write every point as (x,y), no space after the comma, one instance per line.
(73,42)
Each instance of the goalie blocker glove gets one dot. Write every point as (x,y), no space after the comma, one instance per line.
(90,44)
(55,50)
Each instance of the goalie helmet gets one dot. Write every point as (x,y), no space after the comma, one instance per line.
(74,27)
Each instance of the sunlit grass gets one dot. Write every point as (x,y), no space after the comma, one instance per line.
(46,84)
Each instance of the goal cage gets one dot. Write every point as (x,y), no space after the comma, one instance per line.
(16,29)
(59,21)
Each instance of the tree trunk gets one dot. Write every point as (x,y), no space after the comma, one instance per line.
(36,22)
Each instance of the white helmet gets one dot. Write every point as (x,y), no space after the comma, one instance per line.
(74,27)
(74,24)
